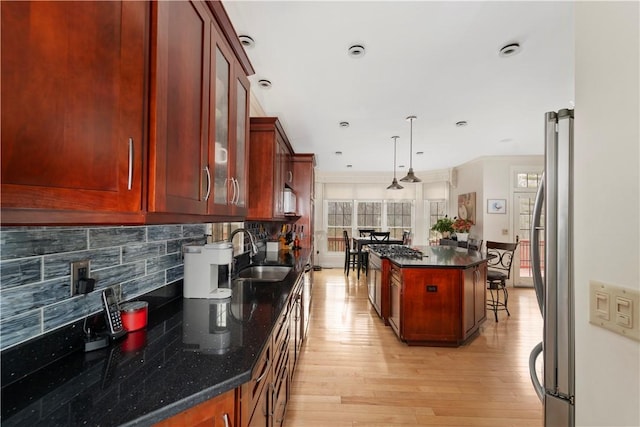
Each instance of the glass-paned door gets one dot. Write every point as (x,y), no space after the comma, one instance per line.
(523,221)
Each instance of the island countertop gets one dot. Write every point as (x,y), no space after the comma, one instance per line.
(442,257)
(175,363)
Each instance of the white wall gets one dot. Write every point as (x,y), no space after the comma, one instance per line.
(607,204)
(492,178)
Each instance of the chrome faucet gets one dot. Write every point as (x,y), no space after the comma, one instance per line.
(254,249)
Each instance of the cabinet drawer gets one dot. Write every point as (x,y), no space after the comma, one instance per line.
(259,377)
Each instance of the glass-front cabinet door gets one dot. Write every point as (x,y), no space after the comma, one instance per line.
(231,129)
(241,152)
(220,170)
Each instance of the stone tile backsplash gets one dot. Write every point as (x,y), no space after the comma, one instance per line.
(35,271)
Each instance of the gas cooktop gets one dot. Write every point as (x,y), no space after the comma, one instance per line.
(396,251)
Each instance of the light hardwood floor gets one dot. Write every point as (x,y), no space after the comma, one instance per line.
(354,372)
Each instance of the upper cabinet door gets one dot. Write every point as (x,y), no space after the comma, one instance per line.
(194,115)
(73,98)
(181,179)
(228,126)
(241,169)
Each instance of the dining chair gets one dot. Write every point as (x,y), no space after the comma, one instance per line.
(406,237)
(365,232)
(499,271)
(380,236)
(350,254)
(448,242)
(474,244)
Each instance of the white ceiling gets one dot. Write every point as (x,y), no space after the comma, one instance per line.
(437,60)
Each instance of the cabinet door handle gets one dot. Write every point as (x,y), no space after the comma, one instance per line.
(266,371)
(206,168)
(130,176)
(225,418)
(238,196)
(290,176)
(236,191)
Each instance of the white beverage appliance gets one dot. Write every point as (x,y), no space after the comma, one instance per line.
(553,275)
(202,270)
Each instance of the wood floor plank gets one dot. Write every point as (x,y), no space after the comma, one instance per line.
(354,372)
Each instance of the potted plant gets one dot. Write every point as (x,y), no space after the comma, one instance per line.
(444,226)
(461,228)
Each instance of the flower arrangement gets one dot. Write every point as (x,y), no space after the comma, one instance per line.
(461,225)
(443,225)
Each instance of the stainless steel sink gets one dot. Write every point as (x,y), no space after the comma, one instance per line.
(265,273)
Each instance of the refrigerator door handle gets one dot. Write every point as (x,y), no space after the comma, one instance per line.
(538,282)
(532,371)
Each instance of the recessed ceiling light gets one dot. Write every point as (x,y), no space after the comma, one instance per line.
(461,123)
(246,41)
(349,166)
(338,153)
(356,51)
(400,166)
(505,140)
(344,124)
(264,83)
(419,153)
(509,50)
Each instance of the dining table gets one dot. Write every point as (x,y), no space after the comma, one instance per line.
(359,243)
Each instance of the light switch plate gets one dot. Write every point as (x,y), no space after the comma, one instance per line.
(615,308)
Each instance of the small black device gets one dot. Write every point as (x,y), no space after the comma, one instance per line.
(112,313)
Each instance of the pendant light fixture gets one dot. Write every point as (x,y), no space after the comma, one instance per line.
(394,184)
(411,176)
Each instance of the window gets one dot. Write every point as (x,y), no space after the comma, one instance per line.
(339,218)
(529,181)
(437,209)
(392,216)
(369,215)
(399,218)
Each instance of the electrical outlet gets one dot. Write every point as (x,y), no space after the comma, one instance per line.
(79,270)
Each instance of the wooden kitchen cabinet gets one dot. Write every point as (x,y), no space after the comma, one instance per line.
(437,306)
(256,394)
(73,102)
(199,115)
(269,153)
(303,186)
(216,412)
(109,113)
(474,308)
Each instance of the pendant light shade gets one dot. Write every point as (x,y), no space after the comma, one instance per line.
(394,184)
(411,177)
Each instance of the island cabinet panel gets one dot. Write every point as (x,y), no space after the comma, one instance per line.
(474,302)
(430,305)
(199,115)
(269,165)
(73,101)
(437,306)
(216,412)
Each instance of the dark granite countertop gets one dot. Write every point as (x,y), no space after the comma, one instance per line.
(191,350)
(442,257)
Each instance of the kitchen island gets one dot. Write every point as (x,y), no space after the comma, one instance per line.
(190,352)
(437,299)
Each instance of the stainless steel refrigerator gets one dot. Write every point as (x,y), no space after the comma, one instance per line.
(552,229)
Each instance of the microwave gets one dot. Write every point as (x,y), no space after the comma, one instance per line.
(290,205)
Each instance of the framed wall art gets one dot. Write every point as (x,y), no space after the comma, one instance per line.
(467,206)
(497,206)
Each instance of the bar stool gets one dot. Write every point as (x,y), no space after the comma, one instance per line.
(498,273)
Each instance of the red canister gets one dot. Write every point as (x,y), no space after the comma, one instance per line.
(134,315)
